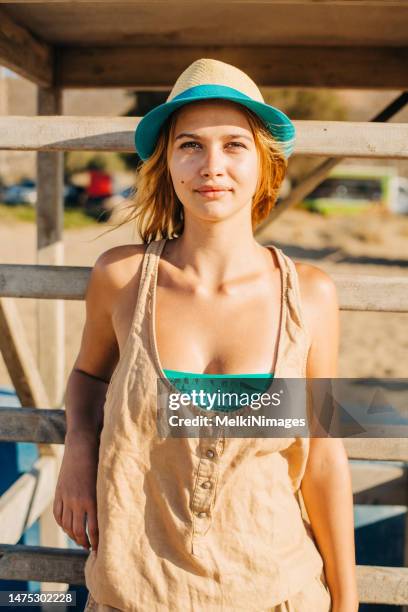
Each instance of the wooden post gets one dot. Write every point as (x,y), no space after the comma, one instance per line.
(50,314)
(50,211)
(3,111)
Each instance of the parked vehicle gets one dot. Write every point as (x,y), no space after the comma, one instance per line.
(24,192)
(350,189)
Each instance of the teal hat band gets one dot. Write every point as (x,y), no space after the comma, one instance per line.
(276,122)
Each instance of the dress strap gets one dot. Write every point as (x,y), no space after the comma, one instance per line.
(294,296)
(149,267)
(295,339)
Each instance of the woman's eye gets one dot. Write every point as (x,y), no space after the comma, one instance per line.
(191,144)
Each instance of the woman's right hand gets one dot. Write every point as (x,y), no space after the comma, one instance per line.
(75,494)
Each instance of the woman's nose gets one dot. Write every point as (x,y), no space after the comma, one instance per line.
(213,164)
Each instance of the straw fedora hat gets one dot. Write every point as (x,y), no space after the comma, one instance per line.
(207,79)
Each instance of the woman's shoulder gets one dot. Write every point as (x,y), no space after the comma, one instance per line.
(120,258)
(320,306)
(115,268)
(318,291)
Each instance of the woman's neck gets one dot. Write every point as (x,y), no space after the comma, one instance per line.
(213,254)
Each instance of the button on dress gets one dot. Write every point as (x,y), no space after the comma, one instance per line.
(195,524)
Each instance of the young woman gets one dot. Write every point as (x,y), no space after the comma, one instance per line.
(205,523)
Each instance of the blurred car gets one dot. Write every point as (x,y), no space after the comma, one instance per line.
(24,192)
(351,189)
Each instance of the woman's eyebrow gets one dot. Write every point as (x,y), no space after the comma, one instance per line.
(197,137)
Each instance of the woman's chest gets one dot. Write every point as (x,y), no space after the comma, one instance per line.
(229,333)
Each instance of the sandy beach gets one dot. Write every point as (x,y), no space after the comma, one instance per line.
(372,344)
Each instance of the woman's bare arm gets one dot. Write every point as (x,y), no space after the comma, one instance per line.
(98,354)
(326,485)
(115,271)
(75,496)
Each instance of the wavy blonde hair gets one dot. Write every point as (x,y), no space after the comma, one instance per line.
(155,206)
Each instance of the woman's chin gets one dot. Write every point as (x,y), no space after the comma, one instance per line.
(215,213)
(213,210)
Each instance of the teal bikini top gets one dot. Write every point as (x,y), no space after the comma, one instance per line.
(182,374)
(186,382)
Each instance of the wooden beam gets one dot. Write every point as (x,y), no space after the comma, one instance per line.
(42,564)
(375,483)
(384,449)
(382,585)
(232,2)
(344,139)
(26,499)
(44,282)
(30,389)
(375,584)
(372,483)
(372,293)
(32,425)
(314,138)
(18,357)
(356,292)
(269,66)
(48,426)
(50,251)
(24,54)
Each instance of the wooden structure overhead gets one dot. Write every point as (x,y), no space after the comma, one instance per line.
(309,43)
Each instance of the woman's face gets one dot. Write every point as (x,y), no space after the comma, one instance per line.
(213,160)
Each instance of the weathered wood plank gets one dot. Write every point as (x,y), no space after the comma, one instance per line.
(50,251)
(375,584)
(372,293)
(356,292)
(321,138)
(280,66)
(379,483)
(392,449)
(48,426)
(382,585)
(311,2)
(372,484)
(22,53)
(42,564)
(44,282)
(24,502)
(18,358)
(32,425)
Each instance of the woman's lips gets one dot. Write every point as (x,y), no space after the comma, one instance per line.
(213,193)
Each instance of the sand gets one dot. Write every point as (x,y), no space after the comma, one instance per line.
(372,344)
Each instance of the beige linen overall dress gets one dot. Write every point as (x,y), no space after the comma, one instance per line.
(194,524)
